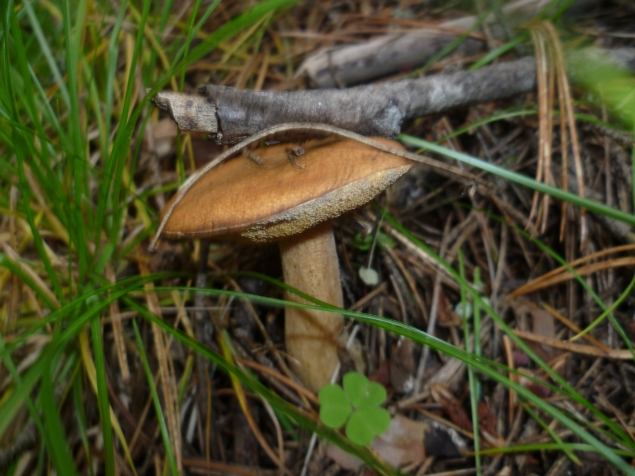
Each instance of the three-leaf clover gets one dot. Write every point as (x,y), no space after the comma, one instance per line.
(358,403)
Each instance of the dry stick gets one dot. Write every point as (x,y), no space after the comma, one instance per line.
(315,128)
(168,390)
(276,424)
(511,395)
(551,279)
(576,329)
(530,286)
(573,132)
(551,78)
(410,280)
(388,54)
(117,330)
(564,147)
(618,354)
(374,110)
(432,320)
(543,146)
(268,371)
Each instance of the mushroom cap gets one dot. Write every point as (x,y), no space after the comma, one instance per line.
(261,203)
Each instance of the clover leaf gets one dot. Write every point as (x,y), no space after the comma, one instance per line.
(361,392)
(335,407)
(357,405)
(365,424)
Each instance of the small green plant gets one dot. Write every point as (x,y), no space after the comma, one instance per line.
(357,405)
(364,244)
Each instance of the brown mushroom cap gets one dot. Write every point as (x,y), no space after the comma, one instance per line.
(273,200)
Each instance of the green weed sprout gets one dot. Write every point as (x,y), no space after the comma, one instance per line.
(364,244)
(358,404)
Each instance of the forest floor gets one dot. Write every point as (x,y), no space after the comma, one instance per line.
(113,364)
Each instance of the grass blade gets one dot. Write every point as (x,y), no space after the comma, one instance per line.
(520,179)
(155,400)
(57,442)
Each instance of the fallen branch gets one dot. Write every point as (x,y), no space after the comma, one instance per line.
(387,54)
(589,350)
(232,115)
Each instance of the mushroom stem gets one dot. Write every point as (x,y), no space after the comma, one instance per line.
(309,264)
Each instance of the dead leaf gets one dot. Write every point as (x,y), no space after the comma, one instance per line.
(402,443)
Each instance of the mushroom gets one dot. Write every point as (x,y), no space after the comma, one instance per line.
(293,203)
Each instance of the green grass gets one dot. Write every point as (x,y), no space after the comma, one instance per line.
(55,90)
(71,122)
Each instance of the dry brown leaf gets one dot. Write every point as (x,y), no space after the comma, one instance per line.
(402,443)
